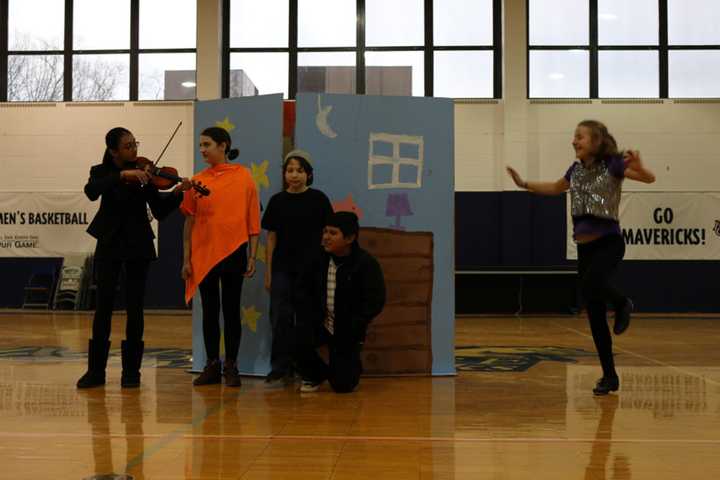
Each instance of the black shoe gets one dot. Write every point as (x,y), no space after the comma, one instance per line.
(132,353)
(97,361)
(606,385)
(622,317)
(211,375)
(232,377)
(275,376)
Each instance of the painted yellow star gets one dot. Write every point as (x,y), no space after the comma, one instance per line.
(261,252)
(226,124)
(250,317)
(259,174)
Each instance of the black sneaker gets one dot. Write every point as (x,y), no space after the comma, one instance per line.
(606,385)
(275,376)
(622,317)
(308,386)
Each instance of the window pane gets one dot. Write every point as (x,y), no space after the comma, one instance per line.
(253,27)
(628,23)
(327,23)
(35,78)
(559,22)
(167,76)
(633,74)
(157,15)
(694,74)
(563,74)
(326,72)
(396,23)
(694,22)
(101,77)
(30,31)
(463,22)
(463,74)
(101,24)
(258,74)
(395,73)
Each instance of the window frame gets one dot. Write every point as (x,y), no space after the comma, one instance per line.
(663,48)
(429,48)
(69,53)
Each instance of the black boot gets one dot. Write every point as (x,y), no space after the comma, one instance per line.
(97,361)
(132,353)
(606,385)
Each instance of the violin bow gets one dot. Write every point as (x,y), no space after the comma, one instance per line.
(168,143)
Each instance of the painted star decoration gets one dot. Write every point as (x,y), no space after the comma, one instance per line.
(226,124)
(259,174)
(250,317)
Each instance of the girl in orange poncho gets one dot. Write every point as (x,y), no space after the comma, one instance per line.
(218,230)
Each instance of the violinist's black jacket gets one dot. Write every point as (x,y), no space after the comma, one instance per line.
(122,224)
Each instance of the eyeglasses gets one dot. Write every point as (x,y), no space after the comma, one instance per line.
(131,145)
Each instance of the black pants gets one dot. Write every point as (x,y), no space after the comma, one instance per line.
(345,367)
(107,273)
(282,319)
(597,261)
(223,285)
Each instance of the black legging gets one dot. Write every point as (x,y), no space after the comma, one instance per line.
(107,273)
(597,261)
(228,273)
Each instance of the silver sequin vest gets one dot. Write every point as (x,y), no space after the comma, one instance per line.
(595,191)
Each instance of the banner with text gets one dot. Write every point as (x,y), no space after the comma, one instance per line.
(38,224)
(666,226)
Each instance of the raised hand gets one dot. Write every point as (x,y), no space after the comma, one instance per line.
(632,158)
(516,177)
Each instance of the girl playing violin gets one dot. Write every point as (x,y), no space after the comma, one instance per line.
(124,241)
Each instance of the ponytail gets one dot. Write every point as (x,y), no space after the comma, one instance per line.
(220,135)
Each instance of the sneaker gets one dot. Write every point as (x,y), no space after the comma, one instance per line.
(275,376)
(308,386)
(606,385)
(622,317)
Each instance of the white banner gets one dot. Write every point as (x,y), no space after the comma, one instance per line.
(38,224)
(666,226)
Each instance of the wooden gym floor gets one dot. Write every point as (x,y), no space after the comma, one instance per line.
(520,408)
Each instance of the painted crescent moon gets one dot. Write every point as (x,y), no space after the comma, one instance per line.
(321,119)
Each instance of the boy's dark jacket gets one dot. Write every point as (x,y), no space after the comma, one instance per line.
(359,295)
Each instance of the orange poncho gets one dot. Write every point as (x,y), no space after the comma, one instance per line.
(224,220)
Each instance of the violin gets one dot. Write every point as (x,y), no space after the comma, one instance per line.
(163,178)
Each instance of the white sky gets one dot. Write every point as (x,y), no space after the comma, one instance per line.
(104,24)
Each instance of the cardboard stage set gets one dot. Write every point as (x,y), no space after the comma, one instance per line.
(389,160)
